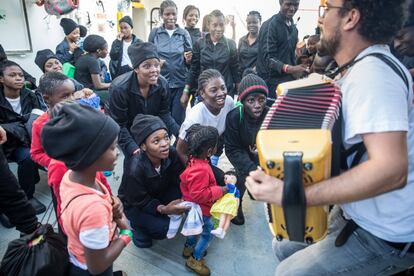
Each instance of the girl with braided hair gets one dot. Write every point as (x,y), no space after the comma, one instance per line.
(212,111)
(198,185)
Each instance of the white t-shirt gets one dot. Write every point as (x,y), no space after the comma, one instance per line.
(170,32)
(199,114)
(16,105)
(374,100)
(125,57)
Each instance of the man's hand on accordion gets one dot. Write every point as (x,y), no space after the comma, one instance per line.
(264,187)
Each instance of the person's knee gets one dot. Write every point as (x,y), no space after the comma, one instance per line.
(284,249)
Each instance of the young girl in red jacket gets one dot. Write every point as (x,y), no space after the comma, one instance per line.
(198,185)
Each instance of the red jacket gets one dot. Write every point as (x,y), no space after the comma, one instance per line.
(55,173)
(37,153)
(198,185)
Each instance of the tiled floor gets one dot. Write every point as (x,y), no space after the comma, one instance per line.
(246,250)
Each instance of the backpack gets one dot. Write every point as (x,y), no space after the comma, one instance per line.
(60,7)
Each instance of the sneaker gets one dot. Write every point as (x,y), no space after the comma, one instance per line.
(219,232)
(188,251)
(4,220)
(239,219)
(37,205)
(198,267)
(141,239)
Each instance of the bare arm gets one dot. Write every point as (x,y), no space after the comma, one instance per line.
(99,260)
(182,150)
(98,84)
(385,170)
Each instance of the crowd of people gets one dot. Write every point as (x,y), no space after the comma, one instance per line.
(71,124)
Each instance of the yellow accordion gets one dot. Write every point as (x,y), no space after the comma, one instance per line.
(295,145)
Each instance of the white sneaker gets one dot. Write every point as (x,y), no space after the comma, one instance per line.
(219,232)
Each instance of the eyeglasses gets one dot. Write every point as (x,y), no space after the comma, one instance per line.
(324,9)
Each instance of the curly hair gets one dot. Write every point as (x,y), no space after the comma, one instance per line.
(380,19)
(49,82)
(189,8)
(167,4)
(255,13)
(200,138)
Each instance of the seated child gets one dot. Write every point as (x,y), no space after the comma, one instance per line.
(16,106)
(198,185)
(56,169)
(88,66)
(54,87)
(68,50)
(87,211)
(225,209)
(150,190)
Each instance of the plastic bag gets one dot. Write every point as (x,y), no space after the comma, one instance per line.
(69,70)
(40,253)
(60,7)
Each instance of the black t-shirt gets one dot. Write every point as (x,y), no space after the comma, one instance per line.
(87,65)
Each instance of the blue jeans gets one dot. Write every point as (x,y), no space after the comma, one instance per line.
(362,254)
(200,243)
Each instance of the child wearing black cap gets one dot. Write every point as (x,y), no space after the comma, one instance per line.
(120,62)
(87,212)
(68,50)
(242,125)
(47,61)
(150,190)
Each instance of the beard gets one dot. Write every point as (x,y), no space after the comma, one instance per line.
(329,46)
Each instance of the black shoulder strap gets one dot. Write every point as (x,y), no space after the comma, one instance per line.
(359,149)
(70,201)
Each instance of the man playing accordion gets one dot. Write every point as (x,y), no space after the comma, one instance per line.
(371,229)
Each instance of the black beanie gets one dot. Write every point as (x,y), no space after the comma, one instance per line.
(42,57)
(144,125)
(127,19)
(93,42)
(252,83)
(68,25)
(83,31)
(140,52)
(78,135)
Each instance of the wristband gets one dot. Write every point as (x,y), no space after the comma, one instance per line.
(125,238)
(126,232)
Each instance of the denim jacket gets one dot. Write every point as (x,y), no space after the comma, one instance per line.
(172,49)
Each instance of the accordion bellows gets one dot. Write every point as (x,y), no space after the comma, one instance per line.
(295,145)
